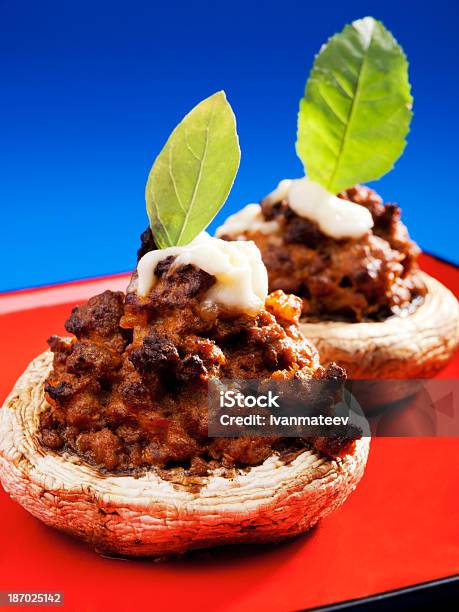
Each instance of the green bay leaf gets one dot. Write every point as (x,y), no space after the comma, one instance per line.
(193,175)
(356,110)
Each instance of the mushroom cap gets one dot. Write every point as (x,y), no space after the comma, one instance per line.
(414,346)
(150,516)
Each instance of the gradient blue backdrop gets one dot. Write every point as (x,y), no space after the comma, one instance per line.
(91,90)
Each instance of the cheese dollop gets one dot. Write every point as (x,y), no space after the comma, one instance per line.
(249,218)
(335,217)
(241,277)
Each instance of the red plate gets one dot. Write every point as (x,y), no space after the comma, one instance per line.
(399,528)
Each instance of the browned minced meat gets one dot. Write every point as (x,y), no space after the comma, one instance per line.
(147,243)
(368,278)
(130,390)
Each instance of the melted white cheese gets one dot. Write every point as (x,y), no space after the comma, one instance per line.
(249,219)
(281,191)
(336,218)
(241,277)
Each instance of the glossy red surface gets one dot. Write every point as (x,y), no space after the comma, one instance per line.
(400,527)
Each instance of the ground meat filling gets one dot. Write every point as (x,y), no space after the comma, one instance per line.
(129,391)
(369,278)
(147,244)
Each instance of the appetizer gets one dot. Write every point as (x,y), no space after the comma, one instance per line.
(105,436)
(332,241)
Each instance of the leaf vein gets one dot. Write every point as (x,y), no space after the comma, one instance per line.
(198,181)
(349,119)
(171,174)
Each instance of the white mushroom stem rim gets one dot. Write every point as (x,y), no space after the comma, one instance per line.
(417,345)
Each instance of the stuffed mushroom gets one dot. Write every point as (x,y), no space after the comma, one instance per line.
(331,240)
(105,436)
(365,302)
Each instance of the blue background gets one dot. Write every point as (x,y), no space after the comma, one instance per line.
(91,90)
